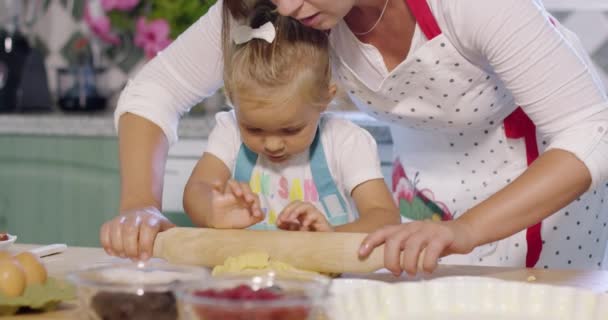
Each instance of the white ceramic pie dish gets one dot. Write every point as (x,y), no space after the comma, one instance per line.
(460,298)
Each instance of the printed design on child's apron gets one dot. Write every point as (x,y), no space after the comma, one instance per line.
(413,203)
(320,189)
(262,183)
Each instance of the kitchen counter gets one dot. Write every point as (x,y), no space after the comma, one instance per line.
(77,257)
(102,125)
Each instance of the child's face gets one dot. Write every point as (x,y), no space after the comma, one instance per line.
(280,131)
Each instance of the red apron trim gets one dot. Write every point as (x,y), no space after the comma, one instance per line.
(517,125)
(424,16)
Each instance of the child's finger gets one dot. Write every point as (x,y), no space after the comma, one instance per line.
(297,213)
(283,216)
(284,220)
(235,188)
(256,211)
(281,220)
(217,185)
(311,218)
(248,195)
(252,199)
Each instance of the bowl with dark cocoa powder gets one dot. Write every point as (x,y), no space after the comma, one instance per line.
(134,291)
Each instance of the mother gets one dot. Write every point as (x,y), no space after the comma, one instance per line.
(499,124)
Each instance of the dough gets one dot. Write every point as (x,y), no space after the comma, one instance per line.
(256,263)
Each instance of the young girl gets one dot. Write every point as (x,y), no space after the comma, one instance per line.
(275,161)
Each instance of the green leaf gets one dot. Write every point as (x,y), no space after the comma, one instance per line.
(38,297)
(121,20)
(418,210)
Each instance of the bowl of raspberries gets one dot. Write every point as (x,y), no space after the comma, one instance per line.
(6,240)
(262,297)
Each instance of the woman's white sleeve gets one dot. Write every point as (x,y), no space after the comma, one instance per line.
(544,68)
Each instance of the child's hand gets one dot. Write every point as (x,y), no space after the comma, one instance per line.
(236,207)
(302,216)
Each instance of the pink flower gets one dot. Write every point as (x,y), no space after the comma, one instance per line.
(404,190)
(124,5)
(153,37)
(100,25)
(398,173)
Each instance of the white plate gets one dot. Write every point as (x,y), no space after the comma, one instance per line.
(460,298)
(6,244)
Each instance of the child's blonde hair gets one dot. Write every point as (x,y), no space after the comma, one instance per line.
(294,67)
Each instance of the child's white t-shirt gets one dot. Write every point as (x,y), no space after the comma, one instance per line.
(350,151)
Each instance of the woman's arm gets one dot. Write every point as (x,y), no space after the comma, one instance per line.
(554,180)
(143,151)
(147,117)
(375,205)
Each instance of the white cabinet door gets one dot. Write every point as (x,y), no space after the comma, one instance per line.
(183,156)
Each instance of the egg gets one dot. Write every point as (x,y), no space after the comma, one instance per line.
(5,255)
(35,273)
(12,278)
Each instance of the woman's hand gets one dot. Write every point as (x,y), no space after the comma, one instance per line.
(303,216)
(404,244)
(236,207)
(132,234)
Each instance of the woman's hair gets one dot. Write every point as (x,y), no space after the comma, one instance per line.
(294,67)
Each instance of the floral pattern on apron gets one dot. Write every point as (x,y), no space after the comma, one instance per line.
(459,138)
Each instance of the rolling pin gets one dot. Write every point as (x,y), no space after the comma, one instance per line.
(330,252)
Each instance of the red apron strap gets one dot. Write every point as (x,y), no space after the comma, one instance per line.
(424,16)
(518,125)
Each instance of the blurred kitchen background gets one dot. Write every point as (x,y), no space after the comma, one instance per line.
(59,174)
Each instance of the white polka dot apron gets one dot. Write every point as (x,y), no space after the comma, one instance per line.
(459,138)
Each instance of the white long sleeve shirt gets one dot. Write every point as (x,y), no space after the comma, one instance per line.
(546,76)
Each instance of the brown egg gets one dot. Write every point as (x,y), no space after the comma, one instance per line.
(35,272)
(5,255)
(12,278)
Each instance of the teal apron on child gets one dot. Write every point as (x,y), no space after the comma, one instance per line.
(333,203)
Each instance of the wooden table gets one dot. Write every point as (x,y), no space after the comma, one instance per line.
(77,257)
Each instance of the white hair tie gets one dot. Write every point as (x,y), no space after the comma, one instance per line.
(242,34)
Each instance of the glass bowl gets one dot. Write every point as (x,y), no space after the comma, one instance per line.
(133,291)
(261,297)
(8,241)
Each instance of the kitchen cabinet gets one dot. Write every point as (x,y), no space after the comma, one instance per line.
(62,188)
(58,189)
